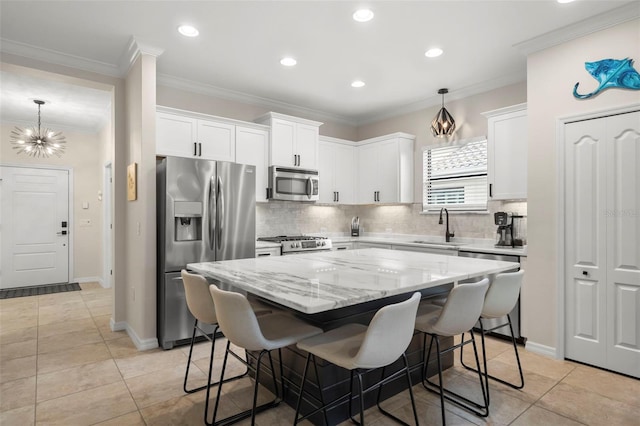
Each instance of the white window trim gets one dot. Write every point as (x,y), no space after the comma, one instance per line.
(451,208)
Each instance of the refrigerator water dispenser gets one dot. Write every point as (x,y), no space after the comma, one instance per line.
(188,220)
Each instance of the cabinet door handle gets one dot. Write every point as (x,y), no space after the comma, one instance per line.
(337,196)
(264,254)
(195,149)
(585,273)
(200,149)
(490,190)
(295,160)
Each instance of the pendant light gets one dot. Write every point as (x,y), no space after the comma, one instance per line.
(38,142)
(443,124)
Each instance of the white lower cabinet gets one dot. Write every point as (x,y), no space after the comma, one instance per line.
(271,251)
(361,245)
(342,246)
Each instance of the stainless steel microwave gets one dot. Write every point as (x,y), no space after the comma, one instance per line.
(293,184)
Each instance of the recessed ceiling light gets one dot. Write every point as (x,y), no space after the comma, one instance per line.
(565,1)
(433,53)
(358,83)
(288,62)
(363,15)
(188,31)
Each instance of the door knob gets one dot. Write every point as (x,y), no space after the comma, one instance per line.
(62,233)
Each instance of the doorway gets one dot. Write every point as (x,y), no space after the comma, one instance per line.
(602,241)
(36,222)
(107,225)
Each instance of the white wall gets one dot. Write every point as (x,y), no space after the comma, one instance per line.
(140,279)
(82,154)
(552,74)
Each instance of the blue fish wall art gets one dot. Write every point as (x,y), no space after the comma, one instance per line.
(611,73)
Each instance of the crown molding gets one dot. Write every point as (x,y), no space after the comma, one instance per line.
(134,49)
(579,29)
(58,58)
(232,95)
(453,95)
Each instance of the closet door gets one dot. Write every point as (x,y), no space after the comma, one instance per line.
(602,242)
(623,243)
(585,235)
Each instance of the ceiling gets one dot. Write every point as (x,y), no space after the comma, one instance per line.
(241,43)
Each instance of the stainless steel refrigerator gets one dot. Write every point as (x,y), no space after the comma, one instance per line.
(206,212)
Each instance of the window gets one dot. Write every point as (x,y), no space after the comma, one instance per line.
(455,176)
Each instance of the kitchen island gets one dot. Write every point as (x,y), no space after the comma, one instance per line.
(333,288)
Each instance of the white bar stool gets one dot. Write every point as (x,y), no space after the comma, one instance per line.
(360,349)
(458,315)
(201,306)
(265,333)
(500,299)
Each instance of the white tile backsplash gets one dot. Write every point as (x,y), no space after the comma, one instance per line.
(290,218)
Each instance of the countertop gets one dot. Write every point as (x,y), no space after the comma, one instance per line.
(319,282)
(460,244)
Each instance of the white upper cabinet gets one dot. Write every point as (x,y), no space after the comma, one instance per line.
(252,147)
(507,152)
(385,169)
(182,135)
(294,141)
(337,168)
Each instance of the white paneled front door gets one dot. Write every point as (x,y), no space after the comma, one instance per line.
(35,226)
(602,242)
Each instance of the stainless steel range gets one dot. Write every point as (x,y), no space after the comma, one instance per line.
(300,243)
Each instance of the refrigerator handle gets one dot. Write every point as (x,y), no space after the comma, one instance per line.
(212,208)
(220,212)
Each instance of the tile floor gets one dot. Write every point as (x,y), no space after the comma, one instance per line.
(61,364)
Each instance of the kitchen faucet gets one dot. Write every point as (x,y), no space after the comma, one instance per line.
(447,234)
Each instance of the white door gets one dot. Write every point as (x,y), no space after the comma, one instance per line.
(388,172)
(602,241)
(283,135)
(35,226)
(345,173)
(623,243)
(306,146)
(176,135)
(367,173)
(326,170)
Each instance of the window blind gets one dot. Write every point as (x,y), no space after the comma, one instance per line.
(455,176)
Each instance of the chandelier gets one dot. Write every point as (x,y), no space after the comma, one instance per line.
(38,142)
(443,124)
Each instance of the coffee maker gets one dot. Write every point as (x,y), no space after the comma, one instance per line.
(504,233)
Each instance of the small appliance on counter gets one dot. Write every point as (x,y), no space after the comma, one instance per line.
(519,230)
(355,226)
(504,231)
(511,230)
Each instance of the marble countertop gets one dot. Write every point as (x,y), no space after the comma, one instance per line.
(319,282)
(469,244)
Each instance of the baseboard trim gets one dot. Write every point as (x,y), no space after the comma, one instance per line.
(88,280)
(540,349)
(117,326)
